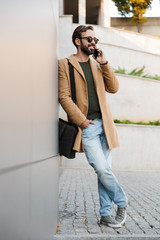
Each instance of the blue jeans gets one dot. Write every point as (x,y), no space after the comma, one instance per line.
(99,157)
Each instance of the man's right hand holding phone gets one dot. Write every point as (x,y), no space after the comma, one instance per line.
(99,56)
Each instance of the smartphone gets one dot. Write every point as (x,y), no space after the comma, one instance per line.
(96,53)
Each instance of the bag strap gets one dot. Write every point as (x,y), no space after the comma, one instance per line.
(71,74)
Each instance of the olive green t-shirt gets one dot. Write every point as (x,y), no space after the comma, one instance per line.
(93,104)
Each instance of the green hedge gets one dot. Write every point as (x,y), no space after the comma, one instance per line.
(155,123)
(137,72)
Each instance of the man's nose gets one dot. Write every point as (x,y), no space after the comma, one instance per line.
(93,42)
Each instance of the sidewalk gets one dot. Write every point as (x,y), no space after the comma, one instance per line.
(79,204)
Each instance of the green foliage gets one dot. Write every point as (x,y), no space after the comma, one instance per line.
(124,7)
(120,70)
(137,72)
(135,7)
(154,123)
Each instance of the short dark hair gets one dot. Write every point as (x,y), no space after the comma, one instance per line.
(77,32)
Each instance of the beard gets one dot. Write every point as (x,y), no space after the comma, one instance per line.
(86,50)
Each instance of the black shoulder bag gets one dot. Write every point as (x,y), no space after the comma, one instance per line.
(67,130)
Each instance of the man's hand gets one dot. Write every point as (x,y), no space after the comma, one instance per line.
(101,59)
(86,123)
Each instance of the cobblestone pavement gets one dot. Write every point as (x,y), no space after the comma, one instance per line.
(79,204)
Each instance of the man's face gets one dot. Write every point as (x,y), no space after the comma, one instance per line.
(86,47)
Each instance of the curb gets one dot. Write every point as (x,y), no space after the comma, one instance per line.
(106,237)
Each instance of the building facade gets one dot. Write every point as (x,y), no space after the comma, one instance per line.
(86,11)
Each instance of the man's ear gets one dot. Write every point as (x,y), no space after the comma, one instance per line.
(77,42)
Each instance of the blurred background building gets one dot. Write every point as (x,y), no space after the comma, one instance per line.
(97,12)
(87,11)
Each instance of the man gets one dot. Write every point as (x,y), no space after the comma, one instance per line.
(97,133)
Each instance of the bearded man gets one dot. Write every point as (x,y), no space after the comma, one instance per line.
(91,113)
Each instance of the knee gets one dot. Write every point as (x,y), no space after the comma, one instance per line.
(101,172)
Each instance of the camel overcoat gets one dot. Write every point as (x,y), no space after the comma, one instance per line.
(104,80)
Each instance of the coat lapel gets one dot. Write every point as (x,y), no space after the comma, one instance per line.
(76,65)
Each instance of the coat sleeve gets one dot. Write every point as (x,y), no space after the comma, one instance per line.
(110,80)
(73,112)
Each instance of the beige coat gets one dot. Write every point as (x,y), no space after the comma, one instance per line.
(105,80)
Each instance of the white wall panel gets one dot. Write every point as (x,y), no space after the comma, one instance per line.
(44,208)
(28,119)
(14,204)
(28,91)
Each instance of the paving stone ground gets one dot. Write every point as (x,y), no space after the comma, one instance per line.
(79,204)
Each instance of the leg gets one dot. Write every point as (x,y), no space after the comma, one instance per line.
(121,212)
(109,185)
(105,201)
(108,154)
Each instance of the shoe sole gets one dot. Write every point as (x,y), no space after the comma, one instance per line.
(124,220)
(118,225)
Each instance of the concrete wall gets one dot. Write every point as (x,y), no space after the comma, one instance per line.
(122,48)
(28,122)
(152,26)
(137,99)
(66,46)
(130,50)
(139,148)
